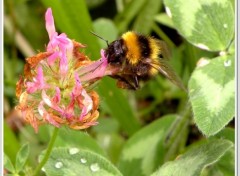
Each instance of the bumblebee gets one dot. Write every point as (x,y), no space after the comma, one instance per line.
(139,58)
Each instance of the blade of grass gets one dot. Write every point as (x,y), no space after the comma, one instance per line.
(145,18)
(125,17)
(11,145)
(163,36)
(116,102)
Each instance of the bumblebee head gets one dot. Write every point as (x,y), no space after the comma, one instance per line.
(116,52)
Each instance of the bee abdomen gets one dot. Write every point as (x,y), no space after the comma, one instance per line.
(144,46)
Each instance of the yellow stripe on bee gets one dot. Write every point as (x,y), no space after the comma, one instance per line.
(133,49)
(153,71)
(155,51)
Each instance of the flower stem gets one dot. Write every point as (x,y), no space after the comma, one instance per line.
(48,152)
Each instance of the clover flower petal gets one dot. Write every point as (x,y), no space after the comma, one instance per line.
(56,85)
(50,24)
(38,82)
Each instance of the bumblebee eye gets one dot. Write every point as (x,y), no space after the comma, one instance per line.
(116,52)
(115,58)
(118,48)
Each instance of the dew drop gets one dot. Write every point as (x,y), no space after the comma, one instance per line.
(94,167)
(43,169)
(83,160)
(225,25)
(222,53)
(202,46)
(73,151)
(58,165)
(202,62)
(168,11)
(227,63)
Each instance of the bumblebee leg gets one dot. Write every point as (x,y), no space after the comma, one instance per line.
(136,83)
(126,82)
(125,85)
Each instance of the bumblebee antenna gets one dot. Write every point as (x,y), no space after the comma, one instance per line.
(100,37)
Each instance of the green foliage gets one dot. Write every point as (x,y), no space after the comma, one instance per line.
(193,161)
(21,159)
(204,22)
(37,142)
(123,19)
(226,164)
(89,143)
(145,150)
(137,132)
(74,161)
(164,19)
(107,29)
(8,164)
(212,91)
(11,144)
(211,87)
(120,109)
(145,18)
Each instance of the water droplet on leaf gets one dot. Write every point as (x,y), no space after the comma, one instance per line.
(202,46)
(227,63)
(58,165)
(168,11)
(83,160)
(94,167)
(225,25)
(73,151)
(202,62)
(222,53)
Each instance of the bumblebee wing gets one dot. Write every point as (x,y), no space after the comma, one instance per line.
(164,67)
(164,49)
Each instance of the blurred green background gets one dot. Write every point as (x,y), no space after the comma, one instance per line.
(122,112)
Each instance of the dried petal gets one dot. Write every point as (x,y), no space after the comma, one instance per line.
(19,86)
(34,60)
